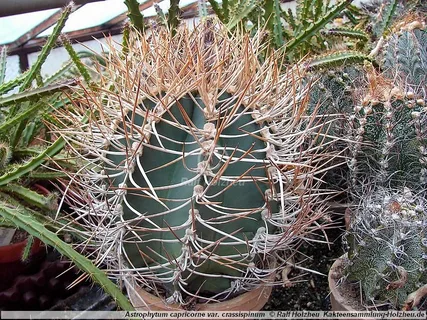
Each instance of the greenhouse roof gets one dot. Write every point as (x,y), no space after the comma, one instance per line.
(26,32)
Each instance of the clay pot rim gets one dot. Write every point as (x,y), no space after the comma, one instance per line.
(259,296)
(332,282)
(12,252)
(335,294)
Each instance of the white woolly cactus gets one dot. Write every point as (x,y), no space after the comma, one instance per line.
(388,246)
(200,163)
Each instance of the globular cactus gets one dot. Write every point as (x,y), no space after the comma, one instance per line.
(387,243)
(200,163)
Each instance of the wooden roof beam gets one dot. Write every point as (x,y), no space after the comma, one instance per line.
(35,31)
(9,8)
(111,27)
(15,46)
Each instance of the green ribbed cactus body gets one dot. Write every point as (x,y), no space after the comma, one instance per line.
(388,246)
(389,122)
(203,166)
(405,55)
(390,143)
(332,91)
(332,98)
(168,210)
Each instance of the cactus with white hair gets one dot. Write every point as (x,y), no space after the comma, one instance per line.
(387,238)
(388,246)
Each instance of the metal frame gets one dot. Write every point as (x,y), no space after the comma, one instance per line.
(9,8)
(29,43)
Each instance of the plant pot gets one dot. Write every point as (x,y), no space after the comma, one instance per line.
(339,300)
(11,264)
(249,301)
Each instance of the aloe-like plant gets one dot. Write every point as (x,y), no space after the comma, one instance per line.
(30,155)
(307,30)
(202,167)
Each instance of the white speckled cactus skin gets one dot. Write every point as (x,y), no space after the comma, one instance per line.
(387,238)
(387,243)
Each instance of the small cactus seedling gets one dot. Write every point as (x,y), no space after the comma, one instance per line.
(203,164)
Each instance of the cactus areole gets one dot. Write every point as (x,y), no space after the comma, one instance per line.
(387,238)
(214,191)
(200,163)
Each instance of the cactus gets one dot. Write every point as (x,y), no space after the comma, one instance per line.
(388,245)
(27,157)
(387,173)
(389,118)
(390,139)
(382,107)
(405,54)
(203,164)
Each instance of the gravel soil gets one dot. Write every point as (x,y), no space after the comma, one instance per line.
(311,291)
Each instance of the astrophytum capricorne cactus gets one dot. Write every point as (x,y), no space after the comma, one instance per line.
(200,168)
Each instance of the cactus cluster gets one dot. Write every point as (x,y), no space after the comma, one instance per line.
(387,178)
(202,160)
(383,121)
(203,163)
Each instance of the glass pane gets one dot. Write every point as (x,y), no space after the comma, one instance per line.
(12,27)
(91,15)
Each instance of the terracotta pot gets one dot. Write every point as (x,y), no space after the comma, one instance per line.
(10,260)
(249,301)
(338,301)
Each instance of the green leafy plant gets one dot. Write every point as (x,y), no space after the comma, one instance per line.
(30,155)
(308,30)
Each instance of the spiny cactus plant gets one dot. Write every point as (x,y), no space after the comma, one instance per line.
(387,166)
(388,246)
(405,54)
(388,130)
(390,114)
(202,163)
